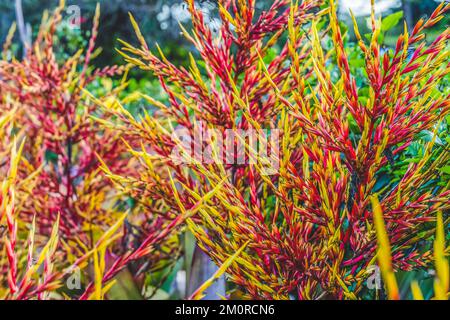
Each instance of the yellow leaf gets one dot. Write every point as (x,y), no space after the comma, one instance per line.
(442,268)
(384,251)
(108,234)
(416,292)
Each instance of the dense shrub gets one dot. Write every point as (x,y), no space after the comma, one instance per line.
(298,161)
(45,101)
(308,228)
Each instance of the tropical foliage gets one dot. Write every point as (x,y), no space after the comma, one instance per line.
(355,174)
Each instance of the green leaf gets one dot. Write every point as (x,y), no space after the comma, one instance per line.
(50,156)
(380,37)
(427,136)
(445,169)
(189,247)
(391,21)
(125,287)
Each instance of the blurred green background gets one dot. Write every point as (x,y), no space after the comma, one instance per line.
(158,20)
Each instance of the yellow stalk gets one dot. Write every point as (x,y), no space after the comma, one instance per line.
(442,268)
(384,251)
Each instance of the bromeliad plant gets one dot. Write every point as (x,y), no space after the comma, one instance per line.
(441,281)
(309,228)
(17,263)
(51,107)
(45,100)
